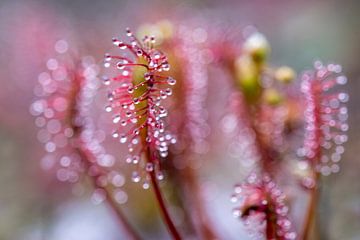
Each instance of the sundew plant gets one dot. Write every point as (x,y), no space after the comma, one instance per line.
(286,127)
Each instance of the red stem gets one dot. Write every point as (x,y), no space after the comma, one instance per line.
(310,212)
(169,223)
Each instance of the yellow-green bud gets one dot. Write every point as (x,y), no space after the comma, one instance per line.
(257,47)
(285,74)
(272,96)
(162,30)
(247,76)
(166,28)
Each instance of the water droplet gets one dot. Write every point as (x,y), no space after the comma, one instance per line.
(61,46)
(164,154)
(136,101)
(107,57)
(341,80)
(238,188)
(147,76)
(128,159)
(146,185)
(168,91)
(118,180)
(52,64)
(236,213)
(149,167)
(234,198)
(115,134)
(98,196)
(65,161)
(50,147)
(343,97)
(135,177)
(130,90)
(108,108)
(171,81)
(123,139)
(110,96)
(120,196)
(128,32)
(135,159)
(139,52)
(160,176)
(166,66)
(116,118)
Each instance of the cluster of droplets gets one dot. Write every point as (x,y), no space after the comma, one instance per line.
(326,117)
(261,203)
(135,100)
(62,112)
(196,56)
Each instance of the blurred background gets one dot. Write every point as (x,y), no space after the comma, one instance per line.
(34,207)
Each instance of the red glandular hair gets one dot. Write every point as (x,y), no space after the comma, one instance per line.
(261,205)
(325,118)
(138,88)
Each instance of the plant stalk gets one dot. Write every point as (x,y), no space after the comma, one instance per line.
(310,212)
(162,206)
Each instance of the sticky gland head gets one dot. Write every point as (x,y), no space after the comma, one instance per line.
(261,205)
(136,102)
(325,118)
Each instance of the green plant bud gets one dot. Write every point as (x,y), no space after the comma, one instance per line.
(257,47)
(272,96)
(247,76)
(285,74)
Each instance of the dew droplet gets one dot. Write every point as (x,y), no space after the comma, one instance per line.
(136,101)
(160,176)
(98,196)
(108,108)
(128,32)
(107,57)
(146,185)
(168,91)
(341,80)
(149,167)
(130,90)
(233,198)
(123,139)
(139,52)
(135,177)
(236,213)
(147,76)
(343,97)
(120,196)
(110,96)
(115,134)
(135,159)
(171,81)
(165,66)
(116,118)
(118,180)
